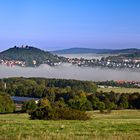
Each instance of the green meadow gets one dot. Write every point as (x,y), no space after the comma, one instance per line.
(119,125)
(119,90)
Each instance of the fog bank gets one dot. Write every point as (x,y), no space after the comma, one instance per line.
(68,71)
(87,55)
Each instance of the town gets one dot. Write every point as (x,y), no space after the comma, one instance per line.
(130,63)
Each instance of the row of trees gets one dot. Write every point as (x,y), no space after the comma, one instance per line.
(40,87)
(81,101)
(104,102)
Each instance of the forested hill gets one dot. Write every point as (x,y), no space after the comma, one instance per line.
(29,56)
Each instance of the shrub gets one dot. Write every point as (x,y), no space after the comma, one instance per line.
(87,106)
(58,114)
(6,103)
(71,114)
(41,113)
(44,102)
(101,106)
(29,106)
(60,104)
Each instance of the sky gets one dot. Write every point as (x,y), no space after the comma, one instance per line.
(60,24)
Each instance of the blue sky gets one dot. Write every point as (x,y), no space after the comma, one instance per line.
(58,24)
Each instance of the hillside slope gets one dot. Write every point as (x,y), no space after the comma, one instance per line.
(30,55)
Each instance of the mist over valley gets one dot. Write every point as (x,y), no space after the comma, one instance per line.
(68,71)
(86,55)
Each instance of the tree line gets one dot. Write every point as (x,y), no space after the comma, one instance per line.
(41,87)
(74,94)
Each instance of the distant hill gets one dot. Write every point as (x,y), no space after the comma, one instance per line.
(96,51)
(80,50)
(30,55)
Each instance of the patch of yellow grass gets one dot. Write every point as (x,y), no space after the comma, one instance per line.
(119,90)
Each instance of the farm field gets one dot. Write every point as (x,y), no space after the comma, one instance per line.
(119,90)
(119,125)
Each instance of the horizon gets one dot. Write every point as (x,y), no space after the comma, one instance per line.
(54,25)
(67,48)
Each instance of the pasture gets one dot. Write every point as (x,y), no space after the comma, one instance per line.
(119,90)
(119,125)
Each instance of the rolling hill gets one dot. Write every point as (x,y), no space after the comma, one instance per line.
(30,55)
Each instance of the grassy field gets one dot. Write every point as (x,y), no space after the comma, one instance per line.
(119,125)
(120,90)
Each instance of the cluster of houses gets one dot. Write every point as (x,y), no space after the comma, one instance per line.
(131,60)
(123,63)
(12,63)
(135,83)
